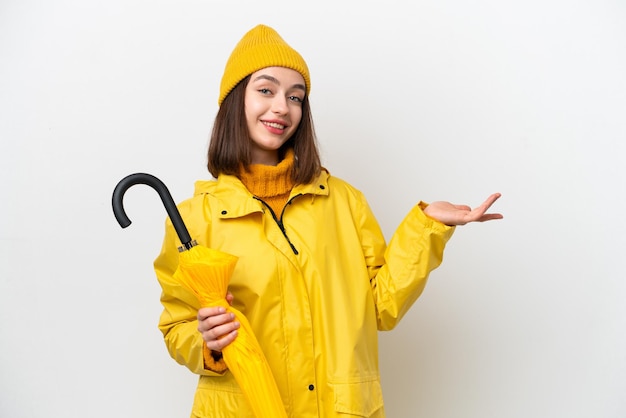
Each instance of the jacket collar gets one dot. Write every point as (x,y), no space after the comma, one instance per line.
(236,201)
(318,187)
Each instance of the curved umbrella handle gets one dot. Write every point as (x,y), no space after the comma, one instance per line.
(166,198)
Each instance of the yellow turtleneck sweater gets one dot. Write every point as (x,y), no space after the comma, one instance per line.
(272,184)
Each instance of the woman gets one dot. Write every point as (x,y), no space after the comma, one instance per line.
(315,277)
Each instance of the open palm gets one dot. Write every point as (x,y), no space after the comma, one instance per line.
(451,214)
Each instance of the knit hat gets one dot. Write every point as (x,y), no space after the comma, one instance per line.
(259,48)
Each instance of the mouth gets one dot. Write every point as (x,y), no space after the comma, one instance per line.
(274,125)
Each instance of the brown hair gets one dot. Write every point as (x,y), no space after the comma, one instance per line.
(229,147)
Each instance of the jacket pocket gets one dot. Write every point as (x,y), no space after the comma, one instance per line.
(219,401)
(358,398)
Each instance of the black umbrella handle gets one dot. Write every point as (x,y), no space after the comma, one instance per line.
(166,198)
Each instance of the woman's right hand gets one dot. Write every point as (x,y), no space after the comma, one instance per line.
(217,327)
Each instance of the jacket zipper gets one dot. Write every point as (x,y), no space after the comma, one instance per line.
(279,222)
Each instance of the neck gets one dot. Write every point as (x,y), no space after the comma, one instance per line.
(263,157)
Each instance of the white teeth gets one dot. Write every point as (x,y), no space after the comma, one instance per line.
(274,125)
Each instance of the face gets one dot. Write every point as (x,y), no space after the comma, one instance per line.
(273,106)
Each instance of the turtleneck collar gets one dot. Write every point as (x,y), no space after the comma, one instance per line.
(266,181)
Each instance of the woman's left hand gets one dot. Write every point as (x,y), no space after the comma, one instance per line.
(452,215)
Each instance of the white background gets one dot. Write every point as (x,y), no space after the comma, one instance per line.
(424,100)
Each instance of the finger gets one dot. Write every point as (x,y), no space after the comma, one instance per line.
(204,313)
(484,207)
(218,333)
(490,200)
(220,344)
(229,298)
(214,321)
(490,217)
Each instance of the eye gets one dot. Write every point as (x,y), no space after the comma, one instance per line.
(296,99)
(265,91)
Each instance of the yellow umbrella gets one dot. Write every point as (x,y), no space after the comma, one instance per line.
(206,273)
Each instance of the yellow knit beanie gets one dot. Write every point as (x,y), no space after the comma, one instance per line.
(259,48)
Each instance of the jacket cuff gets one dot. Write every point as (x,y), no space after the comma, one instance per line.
(213,360)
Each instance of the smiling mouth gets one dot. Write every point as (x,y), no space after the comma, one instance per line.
(274,125)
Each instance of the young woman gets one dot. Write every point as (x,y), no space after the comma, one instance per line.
(315,277)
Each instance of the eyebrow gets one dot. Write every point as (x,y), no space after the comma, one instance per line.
(275,81)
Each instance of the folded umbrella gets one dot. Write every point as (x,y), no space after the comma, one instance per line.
(206,273)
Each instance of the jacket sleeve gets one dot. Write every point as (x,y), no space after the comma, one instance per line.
(178,321)
(398,278)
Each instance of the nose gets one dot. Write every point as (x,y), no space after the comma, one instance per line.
(279,105)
